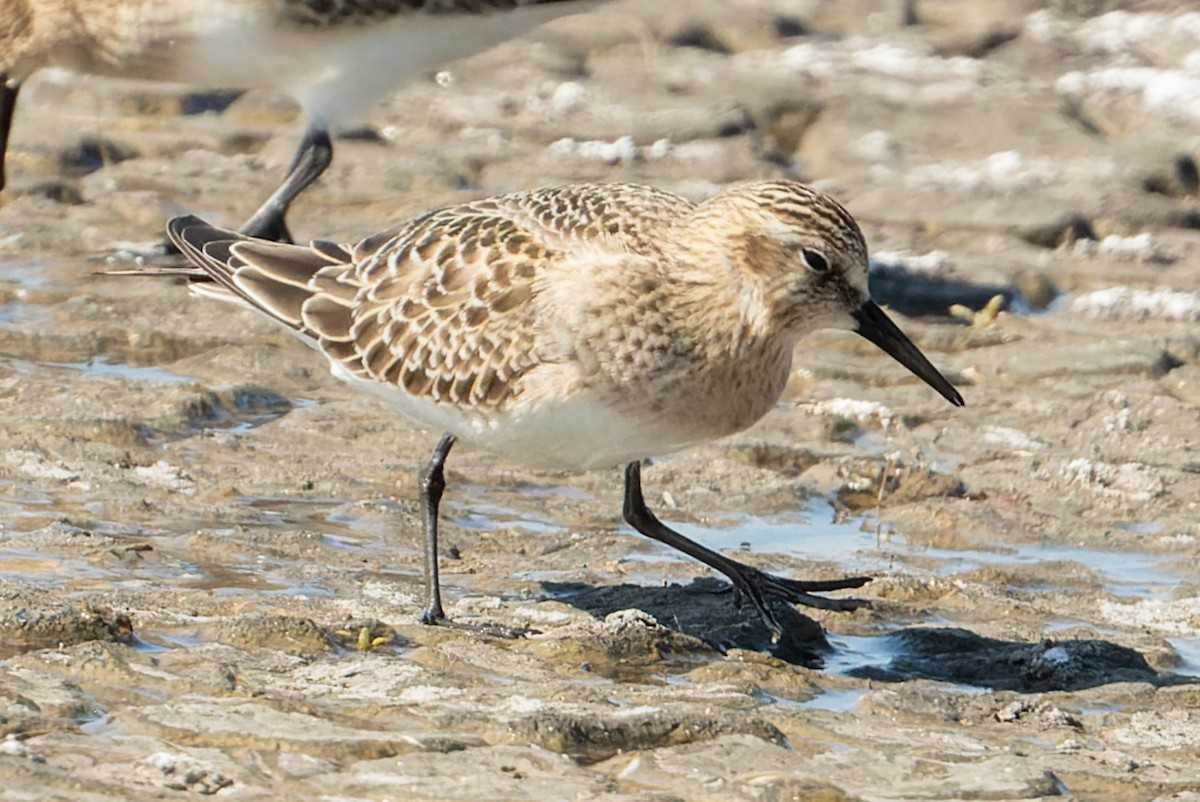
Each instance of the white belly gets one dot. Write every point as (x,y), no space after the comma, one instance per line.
(577,433)
(586,428)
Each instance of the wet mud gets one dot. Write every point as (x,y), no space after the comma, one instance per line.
(210,553)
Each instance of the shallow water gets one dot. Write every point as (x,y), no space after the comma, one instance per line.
(836,700)
(103,366)
(484,517)
(853,543)
(369,529)
(20,314)
(235,563)
(1188,650)
(287,529)
(815,536)
(27,275)
(856,652)
(51,571)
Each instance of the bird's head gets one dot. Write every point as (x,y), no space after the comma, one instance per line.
(803,258)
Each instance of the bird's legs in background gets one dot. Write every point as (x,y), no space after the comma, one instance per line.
(313,155)
(9,87)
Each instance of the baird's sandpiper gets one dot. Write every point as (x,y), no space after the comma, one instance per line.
(576,327)
(337,57)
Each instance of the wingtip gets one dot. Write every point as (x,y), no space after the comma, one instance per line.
(190,233)
(176,227)
(184,221)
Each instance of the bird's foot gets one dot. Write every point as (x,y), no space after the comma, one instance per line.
(758,586)
(434,617)
(437,617)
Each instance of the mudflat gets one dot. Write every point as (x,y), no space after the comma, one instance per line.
(210,550)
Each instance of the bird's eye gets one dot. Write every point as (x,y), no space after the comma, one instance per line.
(814,260)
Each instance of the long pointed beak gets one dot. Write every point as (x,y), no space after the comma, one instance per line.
(879,329)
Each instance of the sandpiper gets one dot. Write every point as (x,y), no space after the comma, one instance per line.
(338,57)
(576,327)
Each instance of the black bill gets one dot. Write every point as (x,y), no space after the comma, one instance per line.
(879,329)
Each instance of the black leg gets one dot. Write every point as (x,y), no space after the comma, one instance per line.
(9,87)
(433,482)
(754,584)
(312,157)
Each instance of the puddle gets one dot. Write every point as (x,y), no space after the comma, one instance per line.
(235,580)
(856,652)
(816,536)
(483,516)
(249,408)
(1125,573)
(101,366)
(254,409)
(21,314)
(344,542)
(854,544)
(1188,650)
(345,525)
(148,647)
(94,722)
(302,591)
(169,561)
(488,508)
(27,275)
(47,568)
(836,700)
(181,641)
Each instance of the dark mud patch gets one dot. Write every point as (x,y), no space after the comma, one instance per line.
(705,609)
(950,654)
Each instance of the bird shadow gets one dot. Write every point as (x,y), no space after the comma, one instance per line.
(705,609)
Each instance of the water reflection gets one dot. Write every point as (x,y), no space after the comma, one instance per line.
(819,535)
(103,366)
